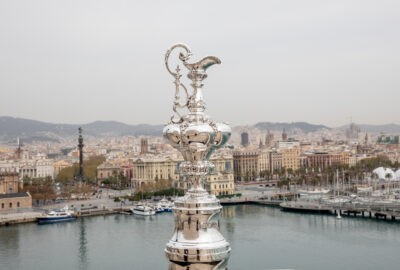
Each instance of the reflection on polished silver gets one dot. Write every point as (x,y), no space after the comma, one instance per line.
(197,243)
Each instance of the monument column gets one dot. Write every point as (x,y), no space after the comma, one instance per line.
(80,147)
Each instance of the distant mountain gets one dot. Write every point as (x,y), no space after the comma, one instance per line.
(29,130)
(289,127)
(388,128)
(32,130)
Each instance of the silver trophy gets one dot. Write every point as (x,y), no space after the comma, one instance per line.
(197,243)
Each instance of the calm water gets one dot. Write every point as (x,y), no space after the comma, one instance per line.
(261,238)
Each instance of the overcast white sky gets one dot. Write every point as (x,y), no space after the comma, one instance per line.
(316,61)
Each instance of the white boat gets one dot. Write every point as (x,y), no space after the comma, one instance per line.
(143,210)
(313,193)
(335,200)
(364,189)
(59,215)
(157,207)
(165,205)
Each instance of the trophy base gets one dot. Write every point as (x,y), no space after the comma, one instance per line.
(197,243)
(222,265)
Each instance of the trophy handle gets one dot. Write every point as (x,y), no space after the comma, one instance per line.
(182,57)
(177,104)
(177,117)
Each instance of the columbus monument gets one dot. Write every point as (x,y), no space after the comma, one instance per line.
(80,177)
(197,243)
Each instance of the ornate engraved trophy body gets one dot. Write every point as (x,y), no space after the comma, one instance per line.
(197,243)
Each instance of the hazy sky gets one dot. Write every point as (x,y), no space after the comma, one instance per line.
(315,61)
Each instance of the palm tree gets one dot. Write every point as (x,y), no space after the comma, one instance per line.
(267,174)
(290,171)
(374,176)
(247,176)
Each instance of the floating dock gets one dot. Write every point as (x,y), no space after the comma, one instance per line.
(312,207)
(378,211)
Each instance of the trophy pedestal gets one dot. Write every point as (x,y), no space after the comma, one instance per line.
(197,243)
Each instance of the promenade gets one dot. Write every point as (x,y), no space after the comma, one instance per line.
(250,194)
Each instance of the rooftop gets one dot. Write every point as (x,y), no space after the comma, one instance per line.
(14,195)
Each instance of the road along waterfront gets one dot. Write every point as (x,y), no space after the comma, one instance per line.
(261,237)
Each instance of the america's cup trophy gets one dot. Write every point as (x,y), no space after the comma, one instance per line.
(197,243)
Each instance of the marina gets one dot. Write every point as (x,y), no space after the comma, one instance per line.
(261,237)
(295,201)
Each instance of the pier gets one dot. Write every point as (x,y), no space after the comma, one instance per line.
(369,210)
(18,218)
(31,215)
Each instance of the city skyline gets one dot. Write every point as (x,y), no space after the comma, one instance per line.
(281,61)
(240,125)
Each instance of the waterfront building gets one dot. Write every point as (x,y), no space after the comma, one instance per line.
(44,168)
(107,170)
(27,170)
(9,166)
(248,164)
(290,157)
(10,183)
(114,168)
(355,159)
(346,158)
(146,170)
(275,161)
(15,201)
(41,168)
(324,159)
(352,160)
(127,171)
(221,179)
(10,197)
(303,160)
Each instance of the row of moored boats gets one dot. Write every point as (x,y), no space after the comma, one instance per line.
(65,214)
(152,209)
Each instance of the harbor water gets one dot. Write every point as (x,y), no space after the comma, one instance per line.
(261,238)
